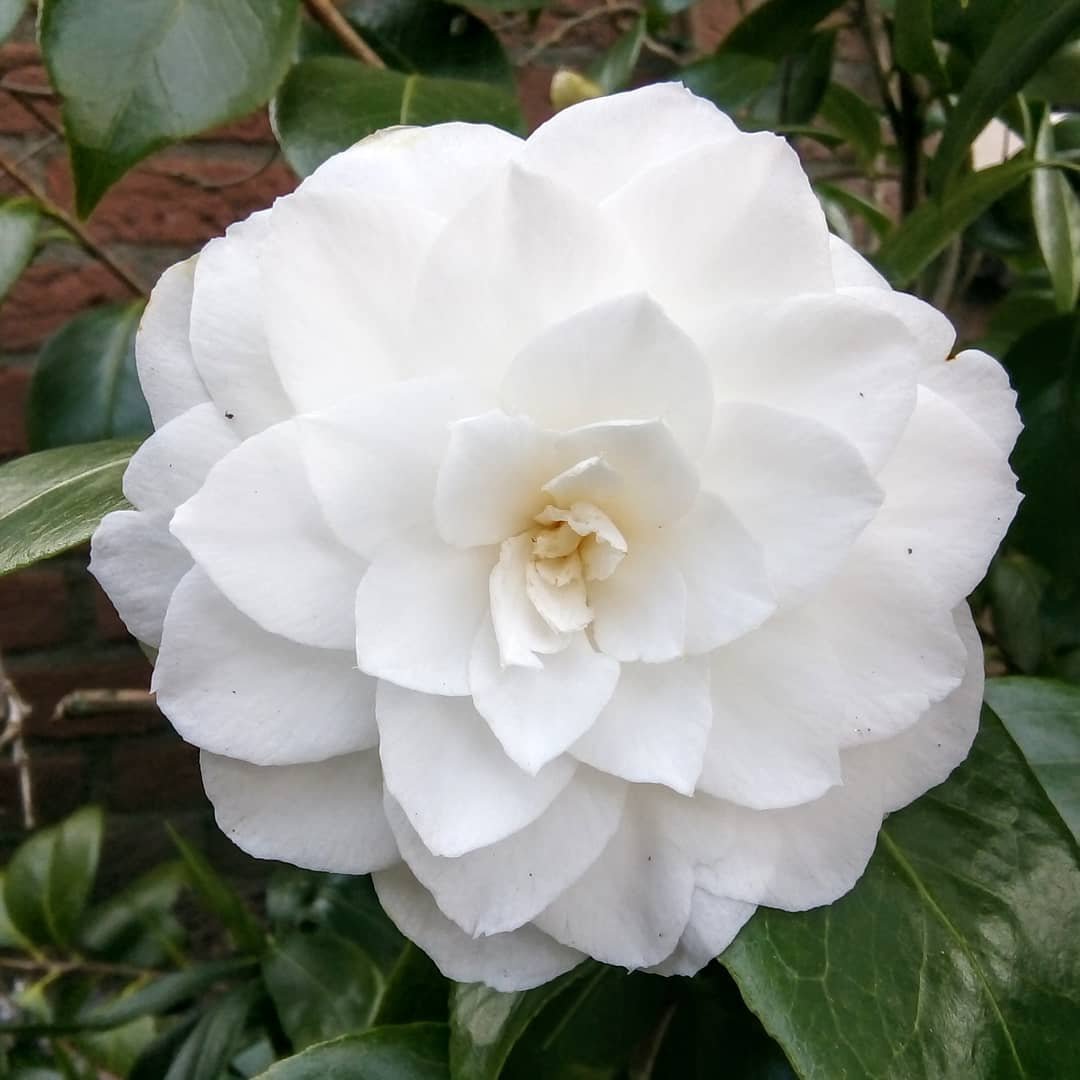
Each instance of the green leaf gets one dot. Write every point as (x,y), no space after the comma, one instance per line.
(51,501)
(954,956)
(11,11)
(913,40)
(84,385)
(777,28)
(729,79)
(612,69)
(405,1052)
(878,221)
(322,986)
(1056,211)
(1058,80)
(1017,584)
(485,1024)
(915,242)
(115,1052)
(856,120)
(1043,717)
(205,1053)
(18,236)
(136,77)
(221,899)
(415,990)
(327,104)
(810,72)
(10,938)
(50,876)
(1022,42)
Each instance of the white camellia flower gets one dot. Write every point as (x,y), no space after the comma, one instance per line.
(569,532)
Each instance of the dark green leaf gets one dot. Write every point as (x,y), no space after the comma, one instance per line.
(406,1052)
(18,235)
(913,40)
(844,112)
(327,104)
(920,237)
(612,69)
(777,28)
(322,986)
(415,990)
(803,87)
(729,79)
(135,77)
(1022,42)
(50,876)
(1043,716)
(10,938)
(855,204)
(154,1060)
(11,11)
(205,1053)
(1056,211)
(1058,80)
(85,386)
(221,899)
(51,501)
(115,1052)
(954,956)
(1016,585)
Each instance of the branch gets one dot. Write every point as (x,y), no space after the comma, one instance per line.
(326,13)
(14,711)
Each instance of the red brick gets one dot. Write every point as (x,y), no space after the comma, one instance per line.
(33,608)
(154,774)
(16,119)
(57,780)
(251,129)
(108,623)
(14,383)
(712,20)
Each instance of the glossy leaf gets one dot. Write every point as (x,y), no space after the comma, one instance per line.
(777,28)
(924,234)
(85,387)
(135,77)
(327,104)
(913,40)
(205,1053)
(1043,717)
(804,88)
(322,986)
(1021,43)
(415,990)
(612,69)
(10,938)
(1058,80)
(1016,585)
(853,118)
(879,222)
(956,953)
(11,11)
(18,236)
(1056,211)
(50,876)
(405,1052)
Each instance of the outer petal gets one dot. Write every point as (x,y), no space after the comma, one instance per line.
(139,563)
(167,374)
(714,922)
(230,687)
(800,490)
(850,269)
(655,728)
(322,816)
(417,611)
(537,713)
(502,887)
(449,774)
(595,147)
(621,360)
(228,329)
(521,229)
(518,960)
(257,531)
(831,357)
(338,275)
(949,497)
(765,237)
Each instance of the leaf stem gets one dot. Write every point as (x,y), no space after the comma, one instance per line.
(326,13)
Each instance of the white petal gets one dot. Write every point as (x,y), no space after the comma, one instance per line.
(139,563)
(417,611)
(172,464)
(714,922)
(257,531)
(831,357)
(655,727)
(931,330)
(639,613)
(850,269)
(537,713)
(518,960)
(338,274)
(230,687)
(489,486)
(727,587)
(167,374)
(621,360)
(502,886)
(437,168)
(518,628)
(631,906)
(801,491)
(471,315)
(764,235)
(448,772)
(598,145)
(326,815)
(373,460)
(949,497)
(228,329)
(587,481)
(979,387)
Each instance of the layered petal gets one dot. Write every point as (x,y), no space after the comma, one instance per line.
(325,815)
(714,922)
(285,703)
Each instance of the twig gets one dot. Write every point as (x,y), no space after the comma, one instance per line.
(63,967)
(325,12)
(868,30)
(14,712)
(92,702)
(564,28)
(946,284)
